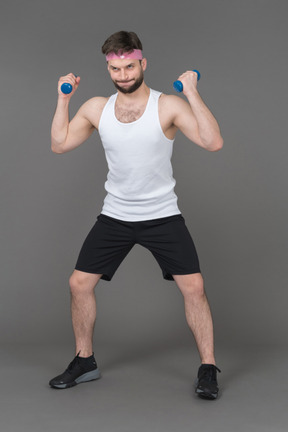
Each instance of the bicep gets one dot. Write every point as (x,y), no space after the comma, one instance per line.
(79,130)
(185,121)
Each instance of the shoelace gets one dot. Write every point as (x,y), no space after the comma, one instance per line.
(75,361)
(209,373)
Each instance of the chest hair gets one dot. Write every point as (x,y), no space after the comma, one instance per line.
(129,114)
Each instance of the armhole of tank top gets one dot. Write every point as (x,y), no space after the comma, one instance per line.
(159,123)
(109,101)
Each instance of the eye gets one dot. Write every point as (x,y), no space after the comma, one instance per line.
(131,66)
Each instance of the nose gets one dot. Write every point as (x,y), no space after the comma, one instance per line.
(124,75)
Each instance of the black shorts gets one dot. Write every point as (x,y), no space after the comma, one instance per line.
(110,240)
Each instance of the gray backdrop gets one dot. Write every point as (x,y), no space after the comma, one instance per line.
(234,201)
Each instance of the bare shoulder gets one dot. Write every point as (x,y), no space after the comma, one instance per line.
(171,106)
(92,109)
(171,103)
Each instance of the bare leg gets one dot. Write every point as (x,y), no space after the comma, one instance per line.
(83,309)
(198,314)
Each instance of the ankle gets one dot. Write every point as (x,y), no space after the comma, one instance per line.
(84,353)
(208,360)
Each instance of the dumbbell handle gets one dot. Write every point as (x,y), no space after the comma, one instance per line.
(178,86)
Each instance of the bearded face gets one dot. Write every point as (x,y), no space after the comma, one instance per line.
(131,85)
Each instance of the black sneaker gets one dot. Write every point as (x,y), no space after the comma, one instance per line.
(79,370)
(207,386)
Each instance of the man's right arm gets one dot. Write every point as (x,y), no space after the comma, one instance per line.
(67,135)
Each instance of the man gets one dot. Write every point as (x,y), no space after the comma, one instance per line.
(137,126)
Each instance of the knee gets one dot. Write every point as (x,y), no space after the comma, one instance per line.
(192,286)
(79,284)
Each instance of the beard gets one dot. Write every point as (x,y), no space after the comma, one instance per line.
(127,90)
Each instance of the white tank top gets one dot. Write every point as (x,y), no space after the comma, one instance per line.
(140,183)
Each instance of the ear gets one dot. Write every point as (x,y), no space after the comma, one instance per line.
(144,64)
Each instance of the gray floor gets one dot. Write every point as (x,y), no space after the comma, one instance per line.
(146,387)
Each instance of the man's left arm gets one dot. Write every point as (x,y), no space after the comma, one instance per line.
(195,119)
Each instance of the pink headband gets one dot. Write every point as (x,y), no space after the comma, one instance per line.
(136,54)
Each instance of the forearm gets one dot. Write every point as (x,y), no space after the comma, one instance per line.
(60,124)
(208,127)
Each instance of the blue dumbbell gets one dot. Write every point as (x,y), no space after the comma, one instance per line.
(67,88)
(178,86)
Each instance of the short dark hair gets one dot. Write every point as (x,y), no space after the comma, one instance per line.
(121,42)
